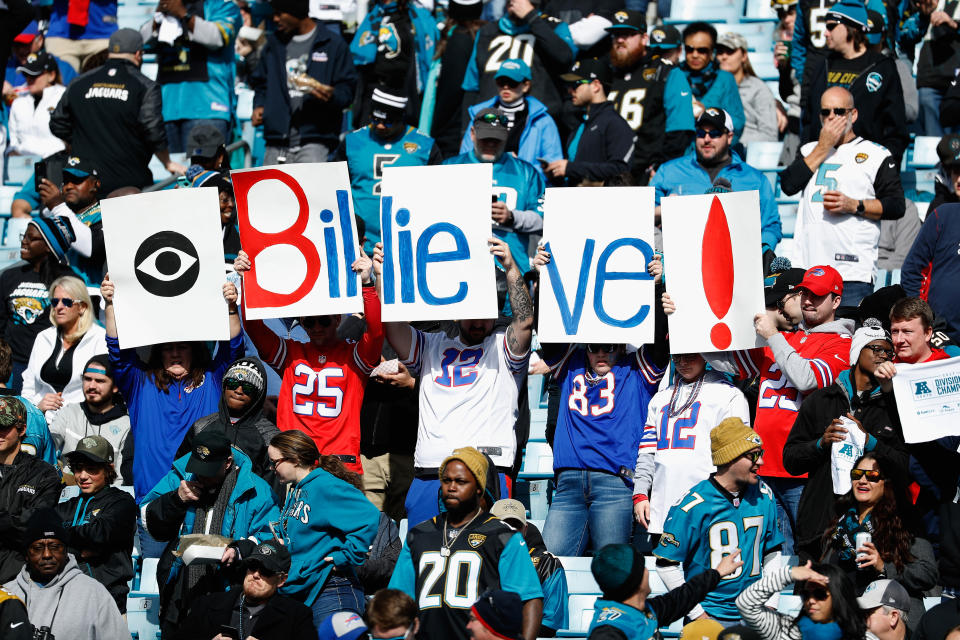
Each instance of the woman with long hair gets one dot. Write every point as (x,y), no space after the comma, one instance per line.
(877,505)
(828,605)
(29,123)
(759,104)
(327,524)
(54,373)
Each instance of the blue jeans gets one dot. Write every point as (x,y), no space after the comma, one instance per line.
(854,292)
(339,594)
(930,99)
(787,492)
(423,499)
(588,506)
(149,547)
(15,383)
(178,130)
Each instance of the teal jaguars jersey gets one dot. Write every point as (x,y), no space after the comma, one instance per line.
(366,159)
(707,523)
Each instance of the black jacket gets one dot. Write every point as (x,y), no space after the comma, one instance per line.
(103,526)
(877,95)
(112,116)
(26,485)
(942,194)
(24,304)
(605,147)
(802,453)
(282,619)
(330,63)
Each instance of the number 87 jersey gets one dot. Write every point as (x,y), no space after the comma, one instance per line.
(708,523)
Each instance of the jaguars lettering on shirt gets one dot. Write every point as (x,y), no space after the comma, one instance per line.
(707,524)
(104,90)
(28,301)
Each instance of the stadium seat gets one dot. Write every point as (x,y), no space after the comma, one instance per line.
(759,35)
(68,492)
(244,104)
(150,69)
(537,461)
(930,602)
(6,198)
(403,526)
(763,155)
(764,66)
(759,10)
(143,617)
(537,523)
(19,169)
(538,425)
(886,278)
(788,219)
(924,154)
(922,208)
(709,10)
(148,579)
(579,577)
(580,611)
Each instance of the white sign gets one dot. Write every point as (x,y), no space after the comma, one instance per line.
(165,256)
(435,224)
(296,224)
(714,269)
(596,287)
(928,399)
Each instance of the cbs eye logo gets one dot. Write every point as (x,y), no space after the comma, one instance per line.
(166,264)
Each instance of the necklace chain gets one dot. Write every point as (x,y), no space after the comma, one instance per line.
(674,410)
(446,546)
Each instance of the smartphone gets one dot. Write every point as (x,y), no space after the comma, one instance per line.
(39,173)
(543,162)
(495,198)
(229,632)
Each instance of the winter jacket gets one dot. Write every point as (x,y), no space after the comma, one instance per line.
(101,528)
(73,605)
(540,138)
(75,422)
(374,574)
(158,418)
(251,433)
(322,517)
(448,106)
(805,453)
(29,123)
(363,47)
(601,148)
(932,268)
(26,485)
(685,176)
(940,52)
(759,111)
(197,72)
(318,121)
(112,117)
(282,618)
(34,388)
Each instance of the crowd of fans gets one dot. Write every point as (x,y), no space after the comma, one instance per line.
(268,473)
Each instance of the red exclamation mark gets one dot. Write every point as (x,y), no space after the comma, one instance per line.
(717,271)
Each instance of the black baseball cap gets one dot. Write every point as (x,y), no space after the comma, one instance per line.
(948,150)
(272,555)
(490,123)
(589,69)
(665,37)
(37,63)
(204,140)
(715,118)
(627,20)
(778,285)
(209,451)
(80,167)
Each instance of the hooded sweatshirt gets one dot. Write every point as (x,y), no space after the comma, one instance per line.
(74,606)
(76,421)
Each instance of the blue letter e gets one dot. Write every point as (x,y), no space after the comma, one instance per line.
(603,275)
(424,257)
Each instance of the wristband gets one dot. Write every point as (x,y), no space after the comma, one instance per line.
(639,497)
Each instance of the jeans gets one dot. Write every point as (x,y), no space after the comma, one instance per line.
(149,547)
(310,152)
(588,506)
(787,492)
(930,99)
(423,499)
(15,383)
(854,292)
(338,594)
(179,130)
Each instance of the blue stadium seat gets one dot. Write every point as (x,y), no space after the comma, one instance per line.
(579,577)
(759,10)
(537,523)
(143,617)
(709,10)
(69,492)
(886,278)
(537,461)
(244,104)
(788,219)
(924,154)
(150,69)
(6,198)
(403,526)
(148,579)
(580,611)
(19,169)
(763,155)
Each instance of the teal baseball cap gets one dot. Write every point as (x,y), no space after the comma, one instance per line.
(513,68)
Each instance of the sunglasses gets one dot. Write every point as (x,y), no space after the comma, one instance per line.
(67,302)
(507,82)
(753,456)
(837,111)
(494,119)
(830,26)
(817,593)
(232,383)
(704,51)
(872,476)
(69,178)
(310,323)
(724,51)
(276,463)
(262,570)
(598,348)
(877,350)
(713,133)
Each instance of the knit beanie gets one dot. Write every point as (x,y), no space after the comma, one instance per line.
(871,330)
(44,524)
(618,570)
(58,235)
(501,612)
(297,8)
(246,370)
(474,461)
(731,439)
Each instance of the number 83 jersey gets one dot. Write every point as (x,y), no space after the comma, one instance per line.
(708,523)
(446,582)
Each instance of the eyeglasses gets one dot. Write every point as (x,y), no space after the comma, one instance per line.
(310,323)
(817,593)
(837,111)
(507,82)
(872,476)
(753,456)
(493,118)
(830,26)
(704,51)
(877,350)
(782,302)
(713,133)
(67,302)
(276,462)
(248,388)
(406,634)
(597,348)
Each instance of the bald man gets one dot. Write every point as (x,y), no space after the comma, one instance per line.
(849,184)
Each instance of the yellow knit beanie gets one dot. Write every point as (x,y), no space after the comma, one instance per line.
(474,460)
(730,439)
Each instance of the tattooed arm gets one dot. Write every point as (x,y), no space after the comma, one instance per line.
(520,331)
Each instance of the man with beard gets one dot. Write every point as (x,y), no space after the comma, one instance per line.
(449,560)
(712,161)
(651,94)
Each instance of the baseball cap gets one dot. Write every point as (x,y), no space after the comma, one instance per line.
(272,555)
(515,69)
(509,509)
(821,280)
(589,69)
(125,41)
(884,593)
(80,167)
(706,629)
(490,123)
(501,612)
(204,140)
(738,632)
(618,570)
(38,63)
(210,450)
(12,412)
(627,20)
(732,40)
(665,37)
(851,12)
(27,35)
(342,625)
(716,118)
(875,26)
(948,149)
(781,284)
(93,448)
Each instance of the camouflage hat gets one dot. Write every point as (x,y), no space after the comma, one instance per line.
(12,412)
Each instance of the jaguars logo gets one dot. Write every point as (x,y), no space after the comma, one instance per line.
(366,38)
(202,451)
(410,147)
(648,74)
(73,161)
(27,310)
(476,539)
(388,40)
(860,158)
(658,35)
(668,539)
(755,439)
(621,16)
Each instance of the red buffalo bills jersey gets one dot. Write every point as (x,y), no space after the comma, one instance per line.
(322,389)
(827,354)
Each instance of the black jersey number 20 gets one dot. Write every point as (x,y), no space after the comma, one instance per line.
(460,574)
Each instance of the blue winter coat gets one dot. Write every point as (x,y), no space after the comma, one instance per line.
(364,44)
(540,138)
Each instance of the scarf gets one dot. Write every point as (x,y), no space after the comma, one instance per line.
(810,630)
(701,81)
(197,572)
(848,527)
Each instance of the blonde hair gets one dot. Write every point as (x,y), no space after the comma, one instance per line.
(77,290)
